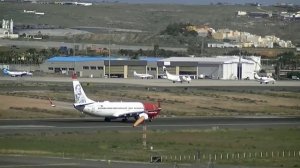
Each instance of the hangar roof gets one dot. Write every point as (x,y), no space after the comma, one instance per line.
(96,58)
(82,58)
(150,59)
(216,60)
(75,59)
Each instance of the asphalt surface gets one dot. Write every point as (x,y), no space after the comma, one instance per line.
(157,82)
(97,124)
(19,161)
(54,44)
(15,126)
(173,123)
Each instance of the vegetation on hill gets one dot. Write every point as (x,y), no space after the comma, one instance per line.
(149,19)
(151,24)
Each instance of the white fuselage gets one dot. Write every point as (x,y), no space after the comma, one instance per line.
(265,80)
(178,78)
(112,109)
(142,75)
(14,73)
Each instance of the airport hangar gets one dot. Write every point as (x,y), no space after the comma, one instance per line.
(220,67)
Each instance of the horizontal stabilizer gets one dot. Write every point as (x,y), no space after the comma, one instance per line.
(82,104)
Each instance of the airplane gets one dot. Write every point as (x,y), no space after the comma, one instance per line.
(178,78)
(16,73)
(265,80)
(143,76)
(113,110)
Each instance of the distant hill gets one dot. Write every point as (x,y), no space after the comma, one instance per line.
(147,20)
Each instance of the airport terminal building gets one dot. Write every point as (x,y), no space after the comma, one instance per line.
(220,67)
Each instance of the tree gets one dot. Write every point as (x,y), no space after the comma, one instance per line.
(288,60)
(53,51)
(71,51)
(141,52)
(156,49)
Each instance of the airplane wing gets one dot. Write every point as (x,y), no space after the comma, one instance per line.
(182,78)
(185,78)
(120,114)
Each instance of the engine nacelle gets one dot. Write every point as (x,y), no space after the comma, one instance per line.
(144,115)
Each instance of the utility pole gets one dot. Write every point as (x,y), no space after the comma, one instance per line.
(202,46)
(145,135)
(74,46)
(240,58)
(109,50)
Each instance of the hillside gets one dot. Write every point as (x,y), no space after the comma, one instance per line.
(146,20)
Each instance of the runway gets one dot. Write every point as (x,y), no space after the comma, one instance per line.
(20,161)
(157,82)
(175,123)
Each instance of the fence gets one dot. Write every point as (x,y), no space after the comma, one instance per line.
(231,156)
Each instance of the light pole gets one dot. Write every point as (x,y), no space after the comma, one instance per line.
(74,45)
(109,48)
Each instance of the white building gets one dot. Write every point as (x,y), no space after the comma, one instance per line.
(241,13)
(7,29)
(220,67)
(223,45)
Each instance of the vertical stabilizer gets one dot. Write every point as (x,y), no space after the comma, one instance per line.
(80,97)
(256,76)
(5,71)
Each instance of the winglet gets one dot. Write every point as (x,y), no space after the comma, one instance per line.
(158,103)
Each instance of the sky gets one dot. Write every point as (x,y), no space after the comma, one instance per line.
(205,2)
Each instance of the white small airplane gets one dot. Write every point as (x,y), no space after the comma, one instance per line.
(143,76)
(16,73)
(112,110)
(178,78)
(265,80)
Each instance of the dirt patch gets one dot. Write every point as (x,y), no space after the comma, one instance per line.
(23,107)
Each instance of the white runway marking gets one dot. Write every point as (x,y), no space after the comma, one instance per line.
(41,165)
(24,126)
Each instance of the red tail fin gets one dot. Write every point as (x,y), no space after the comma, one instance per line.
(74,75)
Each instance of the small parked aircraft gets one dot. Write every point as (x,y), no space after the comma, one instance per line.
(112,110)
(265,80)
(178,78)
(16,73)
(143,76)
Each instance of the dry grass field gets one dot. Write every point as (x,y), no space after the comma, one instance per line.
(24,107)
(30,100)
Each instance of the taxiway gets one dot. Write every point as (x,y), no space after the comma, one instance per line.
(173,123)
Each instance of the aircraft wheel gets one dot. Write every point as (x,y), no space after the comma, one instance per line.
(106,119)
(136,117)
(82,115)
(124,119)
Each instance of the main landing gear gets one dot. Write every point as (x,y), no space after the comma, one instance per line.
(107,119)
